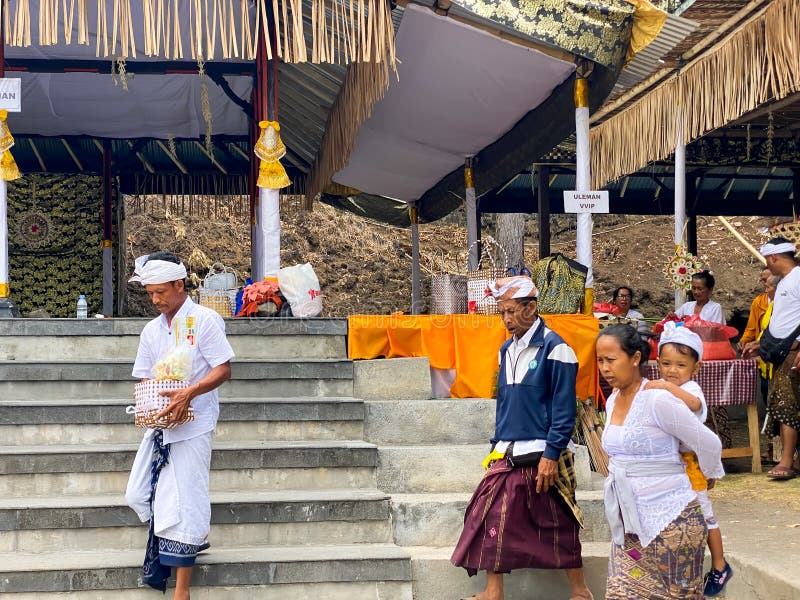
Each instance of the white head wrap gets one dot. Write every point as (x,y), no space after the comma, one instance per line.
(770,249)
(156,271)
(508,288)
(678,334)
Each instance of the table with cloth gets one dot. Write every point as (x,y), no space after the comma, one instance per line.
(466,344)
(729,383)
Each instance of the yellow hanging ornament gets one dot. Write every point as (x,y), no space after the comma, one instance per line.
(6,139)
(270,149)
(9,171)
(8,166)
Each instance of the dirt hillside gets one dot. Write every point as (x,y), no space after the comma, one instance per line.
(365,267)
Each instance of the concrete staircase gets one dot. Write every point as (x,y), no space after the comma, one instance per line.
(296,510)
(429,460)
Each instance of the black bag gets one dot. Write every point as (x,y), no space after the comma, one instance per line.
(774,350)
(531,459)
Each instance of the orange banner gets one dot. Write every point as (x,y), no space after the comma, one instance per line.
(467,343)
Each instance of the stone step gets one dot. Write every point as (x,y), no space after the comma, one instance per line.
(35,380)
(103,421)
(435,577)
(113,572)
(451,468)
(76,469)
(52,339)
(440,421)
(437,519)
(33,525)
(350,590)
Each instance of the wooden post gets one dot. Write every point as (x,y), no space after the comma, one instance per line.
(796,192)
(543,189)
(108,218)
(416,296)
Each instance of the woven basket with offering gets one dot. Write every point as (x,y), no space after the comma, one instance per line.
(150,402)
(789,230)
(491,266)
(170,373)
(219,290)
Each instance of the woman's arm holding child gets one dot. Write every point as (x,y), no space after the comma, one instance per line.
(690,400)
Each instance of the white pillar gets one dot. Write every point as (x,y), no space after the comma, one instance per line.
(680,198)
(4,289)
(268,224)
(583,182)
(416,298)
(471,208)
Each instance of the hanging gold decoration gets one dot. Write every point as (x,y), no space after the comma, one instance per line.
(340,31)
(270,149)
(8,167)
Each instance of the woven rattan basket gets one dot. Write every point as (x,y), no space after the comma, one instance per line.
(789,230)
(491,266)
(150,402)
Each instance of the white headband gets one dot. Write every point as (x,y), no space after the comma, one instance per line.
(157,271)
(678,334)
(770,249)
(522,288)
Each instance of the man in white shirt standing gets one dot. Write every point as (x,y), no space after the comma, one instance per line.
(169,481)
(783,403)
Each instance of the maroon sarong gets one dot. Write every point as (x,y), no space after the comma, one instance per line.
(509,526)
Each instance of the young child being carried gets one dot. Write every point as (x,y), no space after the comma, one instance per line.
(680,352)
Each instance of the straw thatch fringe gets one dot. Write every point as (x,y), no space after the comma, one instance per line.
(340,31)
(364,85)
(758,63)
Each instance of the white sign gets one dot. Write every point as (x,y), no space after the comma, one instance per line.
(586,202)
(11,94)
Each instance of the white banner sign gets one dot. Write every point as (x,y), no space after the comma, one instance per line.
(586,202)
(11,94)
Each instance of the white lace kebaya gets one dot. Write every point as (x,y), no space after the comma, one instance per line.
(652,431)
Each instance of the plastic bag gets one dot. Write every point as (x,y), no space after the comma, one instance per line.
(175,365)
(300,286)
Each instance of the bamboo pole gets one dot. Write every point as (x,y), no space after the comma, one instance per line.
(743,241)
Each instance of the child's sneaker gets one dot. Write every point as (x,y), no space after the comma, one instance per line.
(716,580)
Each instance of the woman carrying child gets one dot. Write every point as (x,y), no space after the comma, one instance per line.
(680,352)
(657,526)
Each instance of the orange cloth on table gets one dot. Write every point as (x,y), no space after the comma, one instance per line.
(757,309)
(696,477)
(467,343)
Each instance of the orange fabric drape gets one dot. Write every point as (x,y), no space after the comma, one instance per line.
(467,343)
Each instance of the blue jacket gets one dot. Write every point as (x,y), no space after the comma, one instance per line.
(542,406)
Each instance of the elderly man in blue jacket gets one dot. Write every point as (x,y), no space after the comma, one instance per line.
(523,513)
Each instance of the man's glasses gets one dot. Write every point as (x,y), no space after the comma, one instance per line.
(624,297)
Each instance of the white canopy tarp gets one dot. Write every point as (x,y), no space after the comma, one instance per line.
(459,90)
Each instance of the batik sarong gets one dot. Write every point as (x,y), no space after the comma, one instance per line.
(670,568)
(509,526)
(783,403)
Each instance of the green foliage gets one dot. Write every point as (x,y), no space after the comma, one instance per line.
(55,242)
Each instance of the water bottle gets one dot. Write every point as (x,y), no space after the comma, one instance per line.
(83,308)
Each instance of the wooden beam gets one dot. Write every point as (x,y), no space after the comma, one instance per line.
(175,160)
(72,154)
(38,156)
(141,158)
(543,176)
(239,151)
(211,157)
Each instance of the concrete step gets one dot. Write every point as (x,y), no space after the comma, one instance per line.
(103,468)
(439,421)
(22,380)
(53,339)
(437,519)
(451,468)
(103,421)
(34,525)
(435,577)
(113,572)
(430,469)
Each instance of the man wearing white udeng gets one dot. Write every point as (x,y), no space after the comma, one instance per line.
(172,465)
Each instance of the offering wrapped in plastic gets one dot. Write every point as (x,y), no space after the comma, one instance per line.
(175,365)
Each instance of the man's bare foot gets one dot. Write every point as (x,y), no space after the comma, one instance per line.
(587,595)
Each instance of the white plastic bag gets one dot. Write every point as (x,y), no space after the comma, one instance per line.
(301,287)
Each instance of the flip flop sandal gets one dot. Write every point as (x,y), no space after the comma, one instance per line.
(782,473)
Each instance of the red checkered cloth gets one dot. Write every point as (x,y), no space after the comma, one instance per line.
(724,382)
